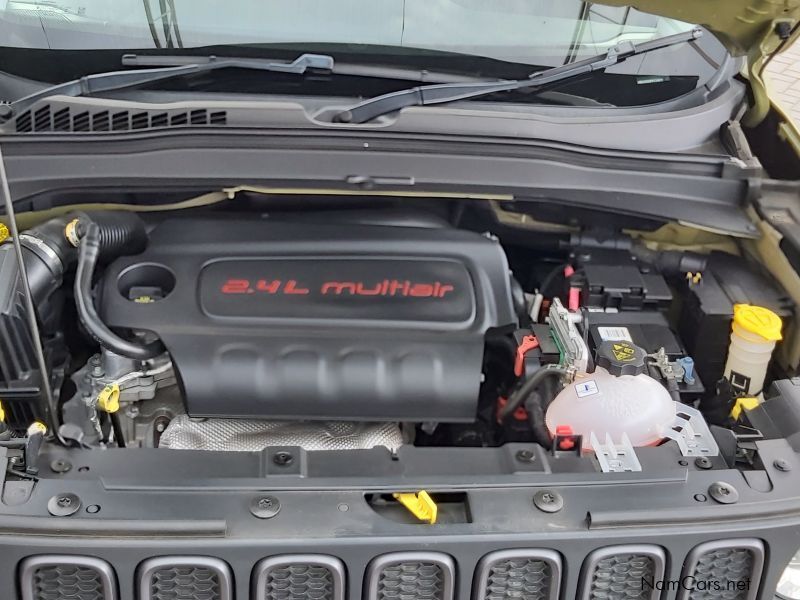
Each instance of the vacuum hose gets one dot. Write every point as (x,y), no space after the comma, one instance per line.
(107,236)
(520,395)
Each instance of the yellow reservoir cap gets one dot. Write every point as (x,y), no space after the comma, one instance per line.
(4,233)
(759,320)
(2,414)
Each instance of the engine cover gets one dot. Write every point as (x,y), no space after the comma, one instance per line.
(293,320)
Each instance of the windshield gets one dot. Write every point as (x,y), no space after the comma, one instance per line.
(423,33)
(533,31)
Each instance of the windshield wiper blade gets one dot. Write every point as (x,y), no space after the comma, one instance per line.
(372,108)
(377,71)
(121,80)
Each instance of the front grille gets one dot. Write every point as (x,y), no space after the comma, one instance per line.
(185,578)
(724,570)
(621,573)
(197,583)
(518,574)
(300,577)
(719,570)
(66,578)
(411,576)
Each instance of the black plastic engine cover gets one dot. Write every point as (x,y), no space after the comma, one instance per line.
(291,320)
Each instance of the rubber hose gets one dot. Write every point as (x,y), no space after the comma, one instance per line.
(119,233)
(87,260)
(527,388)
(674,390)
(535,408)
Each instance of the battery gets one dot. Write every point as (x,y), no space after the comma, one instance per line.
(650,331)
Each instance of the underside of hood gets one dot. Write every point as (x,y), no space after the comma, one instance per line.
(756,29)
(744,26)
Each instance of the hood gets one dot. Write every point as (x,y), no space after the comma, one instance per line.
(746,27)
(756,29)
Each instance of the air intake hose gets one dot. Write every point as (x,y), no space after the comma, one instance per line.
(118,233)
(106,236)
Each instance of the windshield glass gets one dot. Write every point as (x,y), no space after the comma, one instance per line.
(540,32)
(497,39)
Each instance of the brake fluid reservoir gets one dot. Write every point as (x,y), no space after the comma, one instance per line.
(618,398)
(754,334)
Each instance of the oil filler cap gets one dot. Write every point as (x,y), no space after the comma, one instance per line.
(620,357)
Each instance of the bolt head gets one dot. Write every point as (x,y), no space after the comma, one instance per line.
(525,456)
(782,465)
(703,462)
(723,492)
(548,501)
(283,459)
(265,507)
(59,465)
(63,505)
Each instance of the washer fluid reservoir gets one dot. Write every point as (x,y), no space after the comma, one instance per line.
(618,398)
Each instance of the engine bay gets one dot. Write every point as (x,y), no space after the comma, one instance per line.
(353,329)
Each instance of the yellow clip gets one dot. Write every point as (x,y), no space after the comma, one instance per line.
(2,414)
(742,404)
(108,399)
(71,233)
(420,505)
(4,233)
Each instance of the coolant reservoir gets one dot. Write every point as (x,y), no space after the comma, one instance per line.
(756,330)
(618,398)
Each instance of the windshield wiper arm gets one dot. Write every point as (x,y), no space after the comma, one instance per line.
(439,94)
(121,80)
(167,66)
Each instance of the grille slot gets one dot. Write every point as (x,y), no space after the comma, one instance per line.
(49,119)
(185,578)
(724,570)
(620,573)
(411,576)
(518,574)
(66,578)
(299,577)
